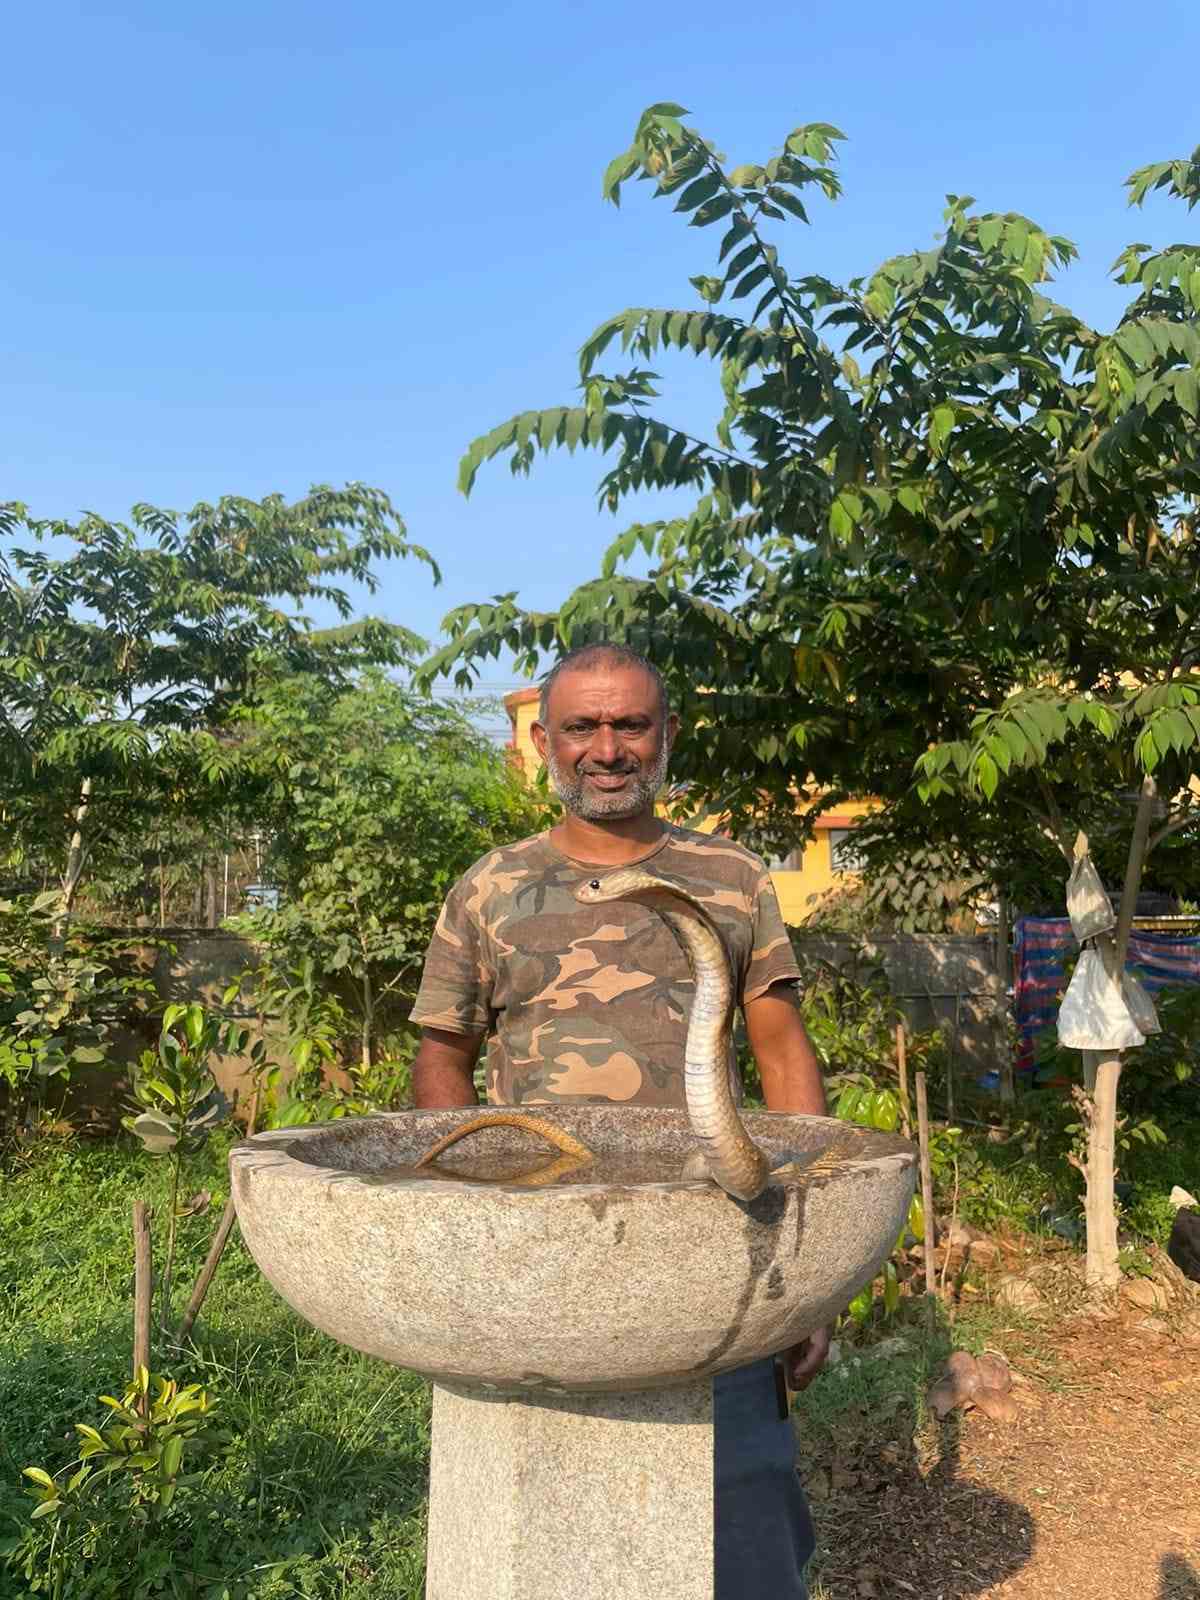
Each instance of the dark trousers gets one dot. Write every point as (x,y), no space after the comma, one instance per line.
(762,1532)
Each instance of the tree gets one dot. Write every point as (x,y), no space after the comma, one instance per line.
(124,657)
(944,527)
(374,800)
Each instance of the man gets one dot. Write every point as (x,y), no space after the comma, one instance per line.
(589,1003)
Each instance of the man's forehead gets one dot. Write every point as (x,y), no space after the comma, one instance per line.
(609,691)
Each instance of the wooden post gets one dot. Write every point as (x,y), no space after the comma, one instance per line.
(926,1187)
(143,1283)
(950,1053)
(1005,978)
(216,1249)
(902,1070)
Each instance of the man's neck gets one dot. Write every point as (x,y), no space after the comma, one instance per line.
(608,844)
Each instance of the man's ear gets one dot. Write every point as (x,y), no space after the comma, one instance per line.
(670,729)
(538,734)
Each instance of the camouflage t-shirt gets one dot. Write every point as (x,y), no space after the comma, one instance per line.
(590,1003)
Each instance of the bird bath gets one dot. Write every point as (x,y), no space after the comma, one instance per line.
(571,1328)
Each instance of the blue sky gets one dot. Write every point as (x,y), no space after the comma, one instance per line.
(250,247)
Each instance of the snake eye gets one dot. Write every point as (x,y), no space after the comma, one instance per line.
(595,883)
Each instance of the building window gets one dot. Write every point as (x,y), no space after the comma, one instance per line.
(844,856)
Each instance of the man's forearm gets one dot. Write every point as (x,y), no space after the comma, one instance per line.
(443,1073)
(787,1062)
(795,1085)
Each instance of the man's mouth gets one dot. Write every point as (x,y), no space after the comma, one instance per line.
(608,780)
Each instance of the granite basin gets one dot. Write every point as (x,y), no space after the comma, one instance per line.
(582,1287)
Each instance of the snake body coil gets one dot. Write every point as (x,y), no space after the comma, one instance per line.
(731,1157)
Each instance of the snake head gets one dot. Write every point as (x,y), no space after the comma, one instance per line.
(618,885)
(636,883)
(597,890)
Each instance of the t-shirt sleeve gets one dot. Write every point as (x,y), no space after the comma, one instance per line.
(771,957)
(456,985)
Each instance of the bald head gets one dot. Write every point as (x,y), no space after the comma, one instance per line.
(590,657)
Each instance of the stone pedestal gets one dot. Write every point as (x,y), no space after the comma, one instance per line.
(572,1496)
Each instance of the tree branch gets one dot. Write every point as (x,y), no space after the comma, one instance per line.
(1057,826)
(1133,869)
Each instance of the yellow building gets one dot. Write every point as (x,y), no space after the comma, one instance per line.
(801,878)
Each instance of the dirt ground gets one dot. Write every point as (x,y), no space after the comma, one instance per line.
(1093,1494)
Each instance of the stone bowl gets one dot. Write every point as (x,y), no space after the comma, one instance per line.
(578,1288)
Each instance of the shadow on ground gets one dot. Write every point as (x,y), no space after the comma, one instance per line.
(895,1506)
(1180,1580)
(892,1516)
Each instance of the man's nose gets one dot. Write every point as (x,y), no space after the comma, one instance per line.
(606,747)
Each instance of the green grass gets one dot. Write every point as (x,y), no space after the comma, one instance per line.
(322,1490)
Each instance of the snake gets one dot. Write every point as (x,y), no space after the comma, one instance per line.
(727,1153)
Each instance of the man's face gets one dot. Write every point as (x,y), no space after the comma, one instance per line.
(604,741)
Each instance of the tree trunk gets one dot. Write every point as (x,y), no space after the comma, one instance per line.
(1103,1271)
(368,1022)
(1008,1087)
(1102,1073)
(74,872)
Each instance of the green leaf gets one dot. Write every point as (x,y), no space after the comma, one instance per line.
(573,427)
(744,258)
(1136,344)
(750,281)
(941,423)
(712,211)
(1018,744)
(1187,392)
(785,198)
(910,499)
(548,426)
(1016,240)
(986,775)
(841,526)
(696,193)
(618,169)
(172,1455)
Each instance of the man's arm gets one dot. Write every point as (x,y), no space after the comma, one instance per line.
(787,1063)
(443,1071)
(791,1080)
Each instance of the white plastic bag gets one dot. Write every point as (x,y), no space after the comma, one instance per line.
(1141,1007)
(1088,907)
(1094,1015)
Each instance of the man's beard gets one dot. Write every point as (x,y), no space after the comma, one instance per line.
(639,796)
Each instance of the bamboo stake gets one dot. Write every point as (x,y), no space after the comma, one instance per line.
(902,1070)
(926,1188)
(143,1282)
(217,1248)
(950,1060)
